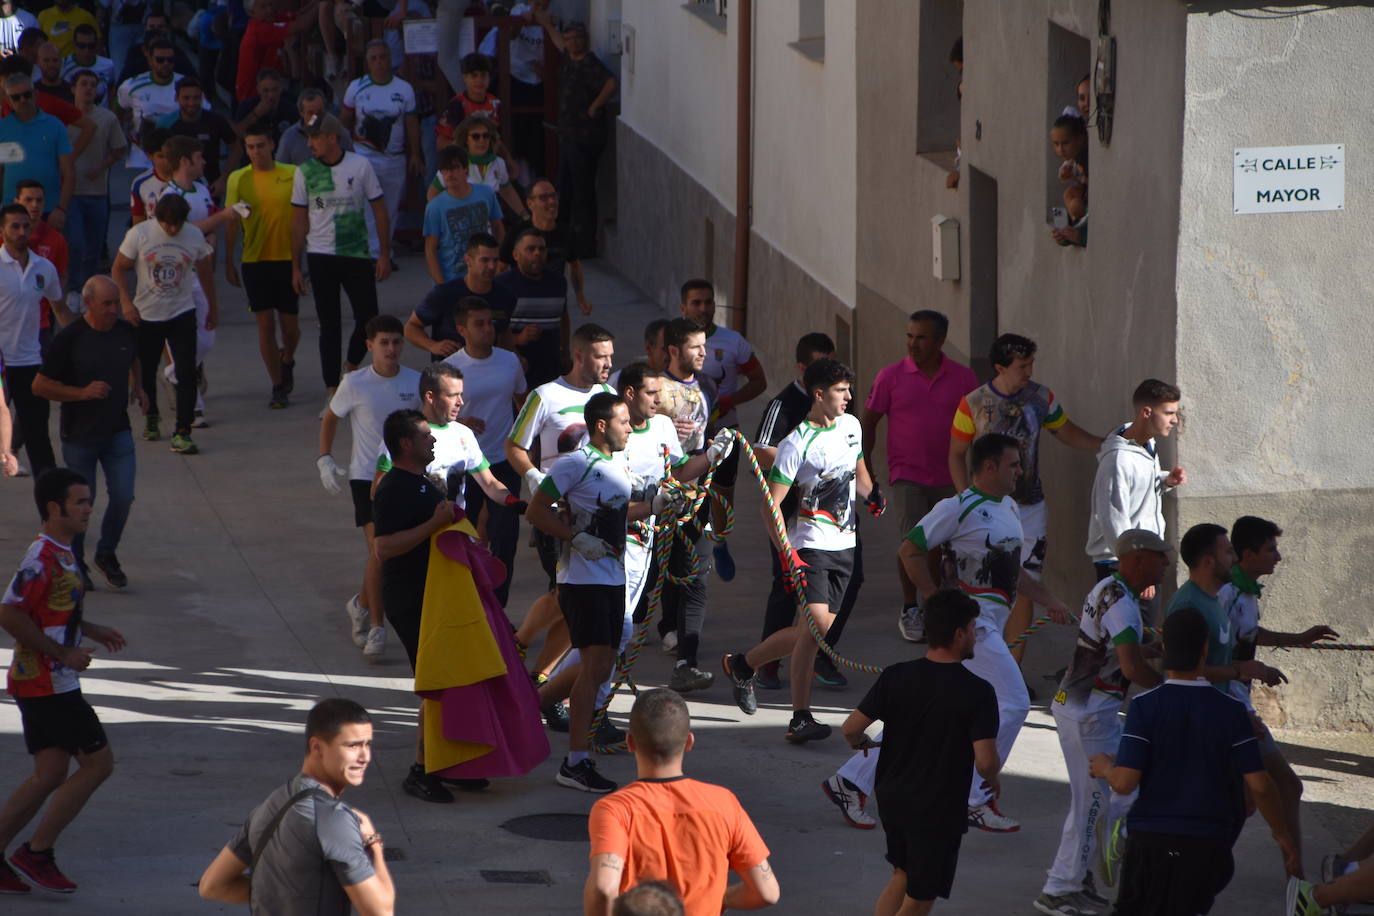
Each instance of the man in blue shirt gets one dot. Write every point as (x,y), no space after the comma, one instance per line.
(1209,556)
(1188,750)
(454,216)
(47,149)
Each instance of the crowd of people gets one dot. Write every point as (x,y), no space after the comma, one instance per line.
(625,470)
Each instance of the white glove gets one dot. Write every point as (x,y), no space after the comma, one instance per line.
(533,478)
(331,475)
(721,446)
(670,500)
(591,547)
(243,209)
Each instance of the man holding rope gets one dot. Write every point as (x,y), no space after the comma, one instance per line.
(823,459)
(981,529)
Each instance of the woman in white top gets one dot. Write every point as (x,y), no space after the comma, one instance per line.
(478,136)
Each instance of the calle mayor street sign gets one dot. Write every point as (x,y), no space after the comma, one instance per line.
(1288,179)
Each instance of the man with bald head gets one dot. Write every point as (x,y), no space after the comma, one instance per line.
(91,370)
(50,73)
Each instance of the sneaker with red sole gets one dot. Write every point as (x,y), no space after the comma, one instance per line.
(11,883)
(41,868)
(987,817)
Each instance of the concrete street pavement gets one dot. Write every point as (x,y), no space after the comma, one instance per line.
(240,565)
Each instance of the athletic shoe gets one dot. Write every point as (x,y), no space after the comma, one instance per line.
(1090,894)
(743,683)
(11,883)
(467,785)
(425,786)
(1110,853)
(278,400)
(725,564)
(1333,867)
(110,569)
(556,717)
(182,444)
(1064,905)
(1298,900)
(199,421)
(584,778)
(687,678)
(670,642)
(359,619)
(607,734)
(826,674)
(987,817)
(912,624)
(766,677)
(150,431)
(41,868)
(850,801)
(376,642)
(803,728)
(288,377)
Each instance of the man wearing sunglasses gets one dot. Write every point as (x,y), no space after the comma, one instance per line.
(47,149)
(84,57)
(142,99)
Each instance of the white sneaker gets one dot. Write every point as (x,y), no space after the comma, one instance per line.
(987,817)
(670,642)
(376,642)
(912,624)
(360,620)
(198,421)
(850,802)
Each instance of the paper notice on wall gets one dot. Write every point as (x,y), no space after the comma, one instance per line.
(1288,179)
(421,36)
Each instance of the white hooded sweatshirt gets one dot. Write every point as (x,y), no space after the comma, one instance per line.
(1127,493)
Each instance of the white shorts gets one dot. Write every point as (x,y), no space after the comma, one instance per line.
(1034,519)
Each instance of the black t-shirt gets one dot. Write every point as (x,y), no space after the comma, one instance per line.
(403,501)
(932,712)
(558,242)
(61,91)
(211,130)
(79,355)
(439,309)
(281,118)
(579,83)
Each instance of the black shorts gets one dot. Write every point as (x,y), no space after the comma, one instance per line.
(63,720)
(267,284)
(362,502)
(728,470)
(1165,873)
(828,578)
(549,549)
(928,856)
(595,613)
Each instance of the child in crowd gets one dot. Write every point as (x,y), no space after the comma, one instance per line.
(1069,137)
(473,100)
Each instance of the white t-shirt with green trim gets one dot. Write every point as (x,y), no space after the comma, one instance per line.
(645,454)
(336,199)
(1094,682)
(552,416)
(983,533)
(456,452)
(819,462)
(380,113)
(594,489)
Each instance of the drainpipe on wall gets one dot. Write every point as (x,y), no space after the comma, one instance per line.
(744,96)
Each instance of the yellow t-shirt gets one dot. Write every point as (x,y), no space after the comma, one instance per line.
(61,26)
(267,233)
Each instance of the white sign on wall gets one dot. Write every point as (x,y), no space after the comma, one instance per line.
(1288,179)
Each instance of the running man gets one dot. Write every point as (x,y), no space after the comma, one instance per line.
(981,528)
(265,186)
(593,486)
(728,356)
(552,419)
(1107,659)
(823,459)
(367,397)
(1011,404)
(1256,543)
(42,611)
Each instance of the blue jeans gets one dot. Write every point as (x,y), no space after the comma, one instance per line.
(88,216)
(116,456)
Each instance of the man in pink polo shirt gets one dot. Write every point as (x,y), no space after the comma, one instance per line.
(919,395)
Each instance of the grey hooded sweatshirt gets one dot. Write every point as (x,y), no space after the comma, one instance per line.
(1127,493)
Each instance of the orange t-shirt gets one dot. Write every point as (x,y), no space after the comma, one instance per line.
(690,834)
